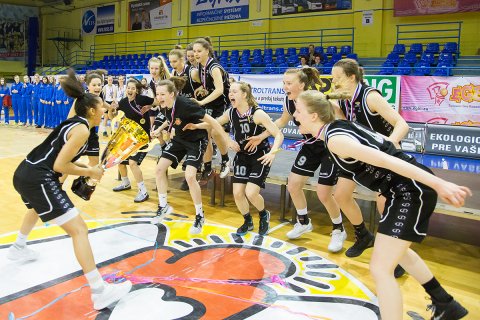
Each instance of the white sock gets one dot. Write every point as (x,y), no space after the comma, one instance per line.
(162,199)
(125,181)
(21,240)
(95,281)
(141,187)
(337,220)
(302,212)
(199,209)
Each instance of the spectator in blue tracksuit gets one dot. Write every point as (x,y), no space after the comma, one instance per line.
(43,104)
(59,98)
(4,91)
(26,106)
(36,85)
(67,105)
(16,98)
(49,102)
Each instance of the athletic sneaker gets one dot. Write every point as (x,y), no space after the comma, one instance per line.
(398,272)
(122,187)
(206,175)
(360,245)
(447,310)
(141,197)
(245,227)
(184,185)
(110,294)
(197,226)
(299,229)
(21,254)
(161,213)
(264,224)
(337,240)
(224,169)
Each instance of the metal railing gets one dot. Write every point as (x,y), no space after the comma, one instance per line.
(440,32)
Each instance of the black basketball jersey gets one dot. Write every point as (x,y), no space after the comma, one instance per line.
(289,105)
(372,177)
(206,78)
(358,111)
(189,89)
(152,84)
(244,127)
(45,154)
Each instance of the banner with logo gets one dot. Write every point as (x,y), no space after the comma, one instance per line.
(453,141)
(442,100)
(13,31)
(203,11)
(424,7)
(145,15)
(98,20)
(281,7)
(270,95)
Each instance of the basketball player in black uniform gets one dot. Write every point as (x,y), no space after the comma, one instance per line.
(190,143)
(214,93)
(159,71)
(312,155)
(367,107)
(182,69)
(135,107)
(250,169)
(410,189)
(37,181)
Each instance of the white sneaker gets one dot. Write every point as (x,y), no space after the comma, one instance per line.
(161,213)
(110,294)
(224,169)
(299,229)
(21,254)
(141,197)
(337,240)
(197,226)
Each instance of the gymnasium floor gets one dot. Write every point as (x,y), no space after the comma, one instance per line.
(214,275)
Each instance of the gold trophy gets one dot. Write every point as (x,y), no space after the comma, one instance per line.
(127,140)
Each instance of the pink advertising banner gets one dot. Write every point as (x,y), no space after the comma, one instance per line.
(442,100)
(423,7)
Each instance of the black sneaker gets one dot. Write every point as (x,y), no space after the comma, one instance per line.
(245,227)
(398,272)
(184,185)
(197,226)
(360,245)
(264,224)
(206,175)
(161,213)
(447,310)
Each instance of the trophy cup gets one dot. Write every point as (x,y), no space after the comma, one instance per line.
(127,140)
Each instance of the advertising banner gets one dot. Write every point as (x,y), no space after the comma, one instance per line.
(424,7)
(441,100)
(98,20)
(281,7)
(13,31)
(203,11)
(453,141)
(270,95)
(145,15)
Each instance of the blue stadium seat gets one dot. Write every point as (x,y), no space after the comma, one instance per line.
(224,53)
(421,68)
(352,56)
(234,68)
(291,51)
(410,57)
(344,50)
(257,61)
(399,48)
(387,68)
(129,57)
(303,51)
(268,51)
(235,53)
(246,52)
(282,67)
(246,68)
(443,69)
(336,57)
(331,50)
(292,61)
(393,57)
(142,56)
(280,59)
(327,67)
(416,48)
(446,57)
(256,52)
(269,69)
(433,47)
(319,50)
(149,56)
(450,47)
(404,68)
(267,59)
(135,56)
(428,57)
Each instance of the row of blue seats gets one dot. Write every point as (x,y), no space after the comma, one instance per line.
(426,57)
(303,51)
(420,68)
(434,47)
